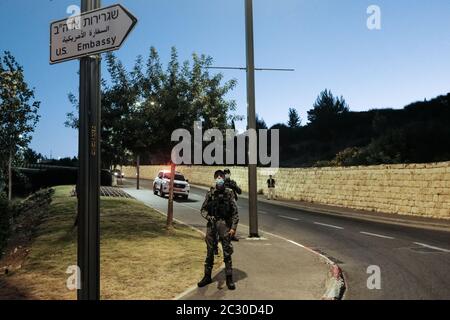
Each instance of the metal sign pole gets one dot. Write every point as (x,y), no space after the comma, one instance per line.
(89,172)
(251,118)
(97,30)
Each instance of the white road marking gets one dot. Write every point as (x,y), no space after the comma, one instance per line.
(328,225)
(431,247)
(289,218)
(376,235)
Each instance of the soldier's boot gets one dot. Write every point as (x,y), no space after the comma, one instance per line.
(206,279)
(229,274)
(230,283)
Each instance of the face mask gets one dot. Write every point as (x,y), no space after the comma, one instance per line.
(220,182)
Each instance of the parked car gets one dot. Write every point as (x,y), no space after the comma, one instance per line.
(181,185)
(118,174)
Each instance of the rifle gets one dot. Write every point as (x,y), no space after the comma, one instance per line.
(210,214)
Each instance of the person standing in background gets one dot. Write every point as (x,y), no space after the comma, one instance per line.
(271,188)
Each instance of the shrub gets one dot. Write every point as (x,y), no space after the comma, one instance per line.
(13,215)
(37,200)
(52,176)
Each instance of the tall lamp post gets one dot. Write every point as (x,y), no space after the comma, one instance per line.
(251,114)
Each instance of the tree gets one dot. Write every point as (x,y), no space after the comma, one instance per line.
(325,114)
(294,119)
(124,131)
(327,107)
(260,123)
(18,112)
(142,107)
(29,156)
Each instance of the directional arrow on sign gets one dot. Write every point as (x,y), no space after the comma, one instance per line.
(90,33)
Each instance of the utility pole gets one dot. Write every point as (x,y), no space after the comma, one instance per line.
(170,204)
(251,120)
(89,172)
(251,114)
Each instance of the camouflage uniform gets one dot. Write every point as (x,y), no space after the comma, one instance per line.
(231,184)
(221,211)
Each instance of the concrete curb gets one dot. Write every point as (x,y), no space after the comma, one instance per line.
(335,284)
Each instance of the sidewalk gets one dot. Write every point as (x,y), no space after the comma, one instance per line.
(269,268)
(404,220)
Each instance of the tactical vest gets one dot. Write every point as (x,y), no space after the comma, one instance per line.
(220,205)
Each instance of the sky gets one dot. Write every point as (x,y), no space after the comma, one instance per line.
(327,42)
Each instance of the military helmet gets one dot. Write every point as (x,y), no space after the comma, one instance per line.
(227,171)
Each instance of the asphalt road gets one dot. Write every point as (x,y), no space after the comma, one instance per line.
(414,263)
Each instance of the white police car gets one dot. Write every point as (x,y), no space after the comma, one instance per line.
(181,186)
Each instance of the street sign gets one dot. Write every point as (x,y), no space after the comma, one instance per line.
(92,32)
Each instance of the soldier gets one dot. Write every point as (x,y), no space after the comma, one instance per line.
(231,184)
(220,209)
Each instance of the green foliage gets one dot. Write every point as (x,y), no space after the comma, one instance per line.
(142,107)
(294,119)
(327,107)
(29,156)
(20,218)
(325,115)
(41,198)
(18,109)
(260,123)
(419,133)
(45,176)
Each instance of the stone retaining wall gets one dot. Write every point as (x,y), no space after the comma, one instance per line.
(408,189)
